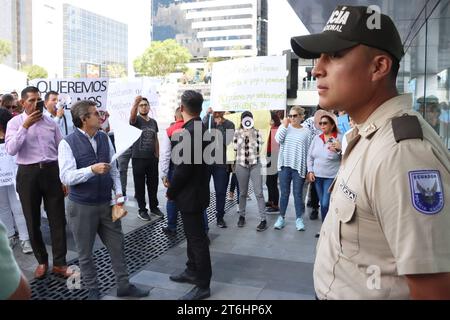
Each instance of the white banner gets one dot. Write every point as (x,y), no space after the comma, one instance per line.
(7,168)
(95,89)
(121,96)
(257,83)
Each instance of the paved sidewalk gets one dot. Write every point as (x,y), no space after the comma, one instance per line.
(246,264)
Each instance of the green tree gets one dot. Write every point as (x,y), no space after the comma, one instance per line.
(35,72)
(162,58)
(5,49)
(116,71)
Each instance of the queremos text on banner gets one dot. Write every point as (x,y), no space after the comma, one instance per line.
(257,83)
(94,89)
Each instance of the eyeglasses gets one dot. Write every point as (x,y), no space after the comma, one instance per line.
(96,113)
(293,115)
(323,123)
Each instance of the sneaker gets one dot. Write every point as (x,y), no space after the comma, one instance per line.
(157,212)
(132,291)
(280,223)
(169,231)
(268,204)
(241,222)
(221,223)
(26,247)
(299,224)
(230,196)
(143,215)
(13,241)
(314,214)
(262,226)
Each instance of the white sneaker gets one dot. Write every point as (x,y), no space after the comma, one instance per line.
(26,247)
(299,224)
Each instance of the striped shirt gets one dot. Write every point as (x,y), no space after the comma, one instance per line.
(294,146)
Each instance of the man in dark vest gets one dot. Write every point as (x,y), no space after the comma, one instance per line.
(84,160)
(189,188)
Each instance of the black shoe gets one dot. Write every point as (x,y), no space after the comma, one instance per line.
(94,294)
(143,215)
(169,232)
(273,210)
(241,222)
(197,293)
(268,204)
(262,226)
(132,291)
(183,277)
(157,212)
(314,214)
(221,223)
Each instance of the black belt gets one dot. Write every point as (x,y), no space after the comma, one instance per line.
(40,165)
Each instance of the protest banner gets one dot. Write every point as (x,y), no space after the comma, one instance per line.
(7,168)
(94,89)
(257,83)
(121,96)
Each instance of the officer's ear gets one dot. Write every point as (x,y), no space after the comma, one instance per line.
(381,66)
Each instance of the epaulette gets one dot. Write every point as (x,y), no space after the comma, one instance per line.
(406,127)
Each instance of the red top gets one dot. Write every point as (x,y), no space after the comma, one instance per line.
(177,126)
(322,136)
(273,132)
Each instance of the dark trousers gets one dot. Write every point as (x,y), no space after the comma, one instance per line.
(314,196)
(123,162)
(220,177)
(145,172)
(33,185)
(272,188)
(199,260)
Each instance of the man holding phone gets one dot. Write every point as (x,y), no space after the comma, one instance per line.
(34,139)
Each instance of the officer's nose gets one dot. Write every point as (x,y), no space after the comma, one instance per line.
(318,70)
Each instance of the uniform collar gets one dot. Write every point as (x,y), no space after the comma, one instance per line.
(384,113)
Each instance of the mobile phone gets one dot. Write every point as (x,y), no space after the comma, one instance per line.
(40,106)
(121,200)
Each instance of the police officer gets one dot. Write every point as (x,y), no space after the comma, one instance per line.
(387,232)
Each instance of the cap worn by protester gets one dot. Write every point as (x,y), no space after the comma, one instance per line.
(348,27)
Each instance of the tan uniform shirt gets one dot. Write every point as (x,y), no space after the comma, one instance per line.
(389,213)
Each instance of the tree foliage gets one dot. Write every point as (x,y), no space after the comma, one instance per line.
(35,72)
(162,58)
(5,49)
(116,71)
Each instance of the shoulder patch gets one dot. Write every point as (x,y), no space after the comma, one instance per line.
(427,194)
(406,127)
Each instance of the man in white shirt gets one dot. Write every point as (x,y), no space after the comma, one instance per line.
(84,159)
(56,110)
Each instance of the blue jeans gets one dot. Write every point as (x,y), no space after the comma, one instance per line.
(322,185)
(172,211)
(286,175)
(220,177)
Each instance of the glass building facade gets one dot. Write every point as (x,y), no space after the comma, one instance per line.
(92,43)
(220,28)
(424,26)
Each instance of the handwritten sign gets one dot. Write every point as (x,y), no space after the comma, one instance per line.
(257,83)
